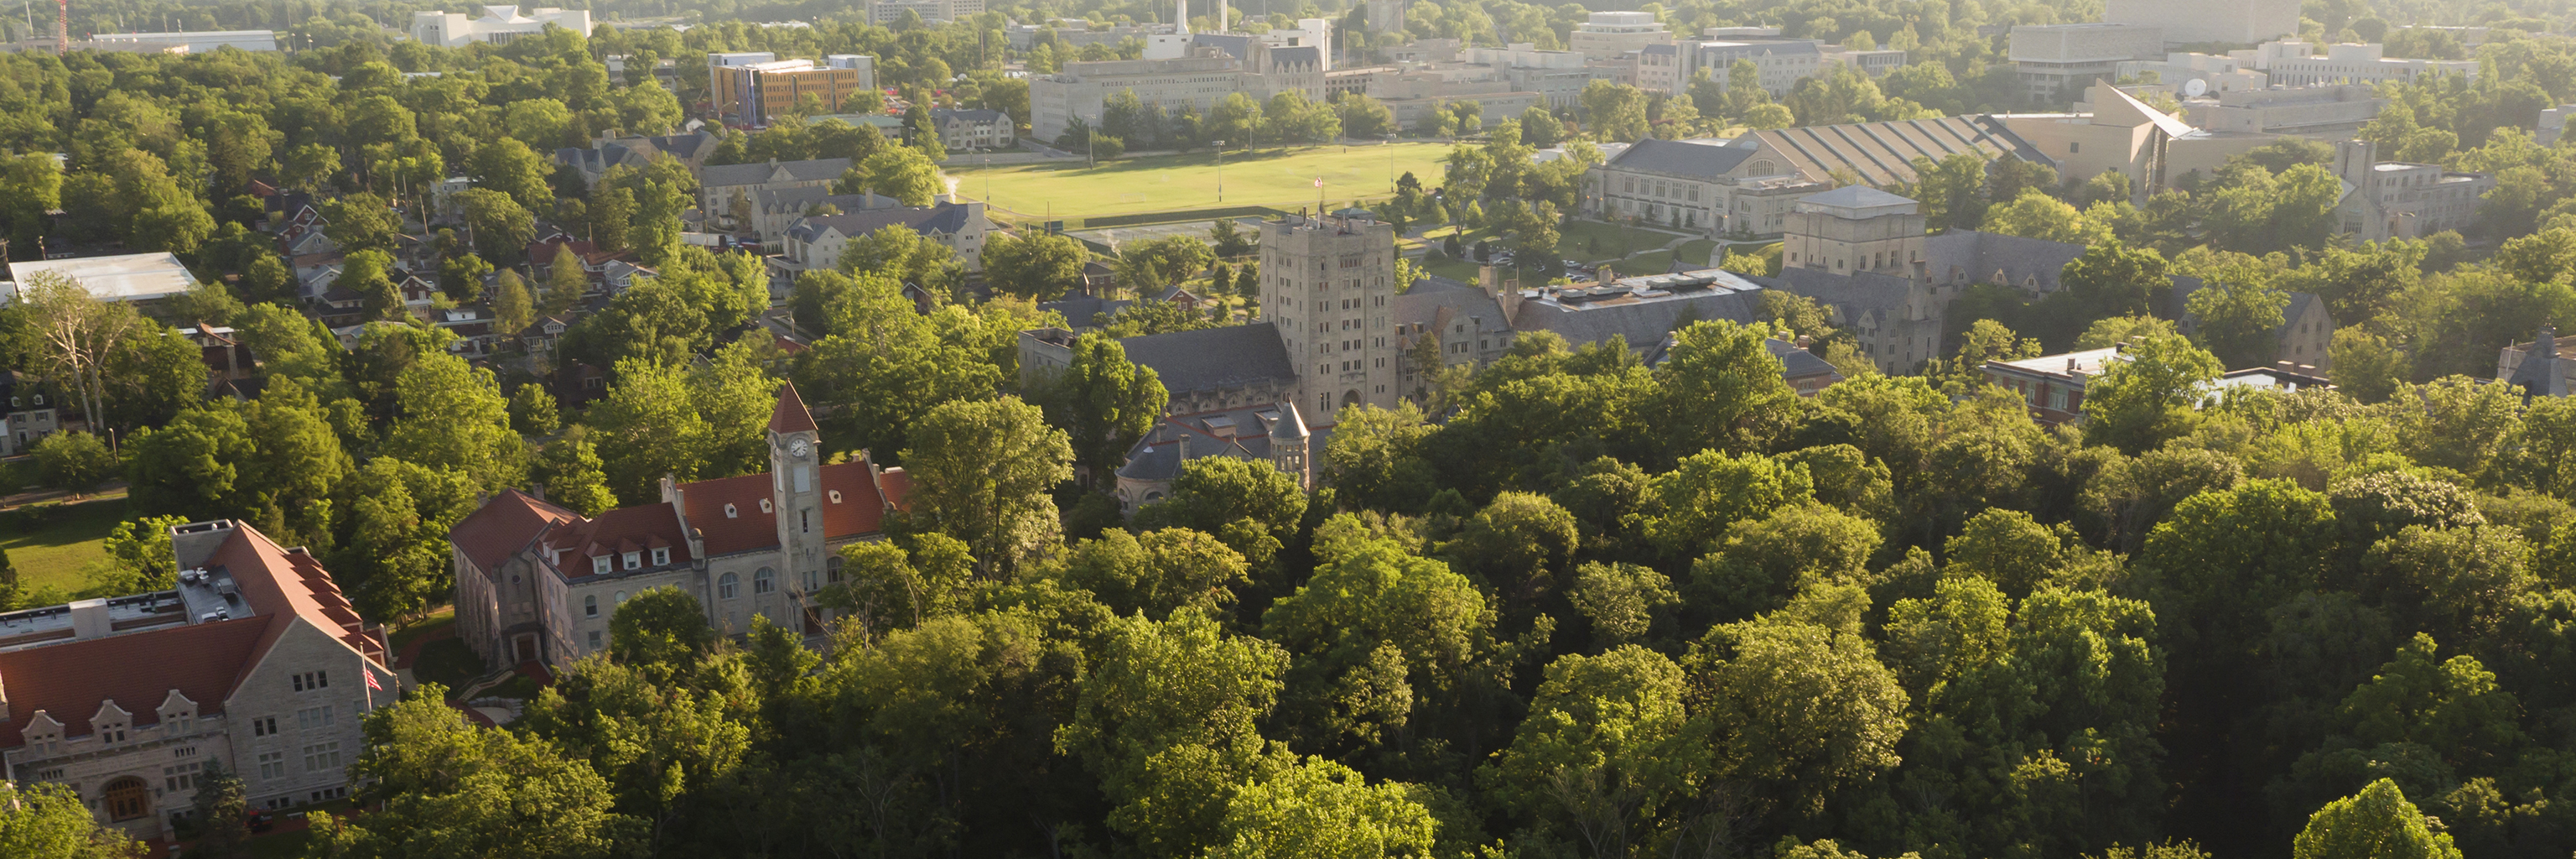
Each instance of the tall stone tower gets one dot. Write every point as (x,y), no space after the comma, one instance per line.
(1328,283)
(796,488)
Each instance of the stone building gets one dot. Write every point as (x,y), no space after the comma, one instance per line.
(2237,22)
(2400,200)
(1273,433)
(538,583)
(255,661)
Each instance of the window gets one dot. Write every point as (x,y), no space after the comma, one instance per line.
(832,569)
(620,598)
(590,605)
(805,520)
(764,506)
(311,680)
(181,776)
(594,639)
(2073,146)
(661,557)
(322,756)
(634,560)
(310,718)
(264,726)
(728,587)
(599,565)
(764,581)
(731,513)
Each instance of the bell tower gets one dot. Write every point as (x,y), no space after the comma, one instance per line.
(796,489)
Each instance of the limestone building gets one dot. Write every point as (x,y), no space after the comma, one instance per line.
(2054,61)
(497,25)
(816,243)
(2354,64)
(1214,66)
(1854,228)
(2399,200)
(1607,35)
(254,660)
(1328,283)
(538,583)
(2235,22)
(1747,185)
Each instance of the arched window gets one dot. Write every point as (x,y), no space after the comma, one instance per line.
(729,586)
(620,598)
(764,581)
(128,798)
(1760,167)
(590,605)
(832,569)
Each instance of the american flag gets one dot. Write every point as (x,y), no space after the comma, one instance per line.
(371,680)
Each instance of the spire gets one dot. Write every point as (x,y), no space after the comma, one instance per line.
(1289,425)
(790,414)
(2545,346)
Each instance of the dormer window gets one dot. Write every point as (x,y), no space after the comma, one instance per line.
(661,557)
(634,560)
(599,565)
(731,513)
(836,496)
(764,506)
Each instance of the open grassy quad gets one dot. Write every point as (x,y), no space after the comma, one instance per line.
(1282,178)
(50,553)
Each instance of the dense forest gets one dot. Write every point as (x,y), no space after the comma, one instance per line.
(1574,607)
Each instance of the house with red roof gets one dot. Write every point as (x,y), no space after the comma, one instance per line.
(255,660)
(538,583)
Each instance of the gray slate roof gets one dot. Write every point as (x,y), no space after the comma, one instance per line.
(1214,358)
(1431,295)
(942,218)
(1854,196)
(1157,456)
(811,170)
(1643,323)
(968,115)
(1675,158)
(1795,362)
(1300,55)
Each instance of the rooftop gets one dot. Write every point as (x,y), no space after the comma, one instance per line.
(124,277)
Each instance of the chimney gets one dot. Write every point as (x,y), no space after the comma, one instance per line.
(2070,365)
(90,619)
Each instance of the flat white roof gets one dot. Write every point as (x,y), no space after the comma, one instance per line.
(124,277)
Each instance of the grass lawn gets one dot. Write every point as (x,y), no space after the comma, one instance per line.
(1282,178)
(50,553)
(437,620)
(447,662)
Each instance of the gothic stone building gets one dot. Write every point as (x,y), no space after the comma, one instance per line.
(254,660)
(538,583)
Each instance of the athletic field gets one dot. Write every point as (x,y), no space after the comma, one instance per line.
(1161,183)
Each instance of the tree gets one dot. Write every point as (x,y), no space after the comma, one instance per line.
(361,222)
(1614,111)
(1796,710)
(501,227)
(566,281)
(433,778)
(512,308)
(900,172)
(1167,716)
(74,336)
(660,628)
(2113,280)
(1103,402)
(1722,389)
(461,277)
(2034,214)
(1539,128)
(533,411)
(218,807)
(1318,809)
(983,470)
(363,273)
(394,554)
(2377,823)
(2137,403)
(1037,267)
(74,462)
(40,819)
(1252,506)
(2236,317)
(1158,572)
(452,416)
(1606,745)
(574,477)
(507,166)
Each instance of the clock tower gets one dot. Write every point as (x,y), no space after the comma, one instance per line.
(796,488)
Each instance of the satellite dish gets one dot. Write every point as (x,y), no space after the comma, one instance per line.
(2195,88)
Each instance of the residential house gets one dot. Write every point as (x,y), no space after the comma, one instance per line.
(34,413)
(255,661)
(2535,369)
(817,242)
(776,210)
(721,187)
(691,148)
(961,129)
(538,583)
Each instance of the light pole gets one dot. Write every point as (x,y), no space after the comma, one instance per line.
(1390,163)
(1220,171)
(1091,132)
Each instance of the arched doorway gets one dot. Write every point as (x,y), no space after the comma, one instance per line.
(1351,397)
(128,798)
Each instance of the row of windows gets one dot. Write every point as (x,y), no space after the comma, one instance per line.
(730,586)
(635,560)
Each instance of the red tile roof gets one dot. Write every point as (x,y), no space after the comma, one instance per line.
(138,670)
(204,661)
(749,528)
(641,528)
(504,525)
(858,509)
(898,487)
(790,415)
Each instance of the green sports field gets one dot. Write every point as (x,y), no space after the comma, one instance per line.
(1283,178)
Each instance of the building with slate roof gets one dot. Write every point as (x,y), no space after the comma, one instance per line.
(1462,323)
(2535,368)
(1275,433)
(720,186)
(774,210)
(637,153)
(1803,370)
(1748,186)
(254,660)
(816,242)
(977,128)
(538,583)
(2303,337)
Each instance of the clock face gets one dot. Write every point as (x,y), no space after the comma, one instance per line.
(796,448)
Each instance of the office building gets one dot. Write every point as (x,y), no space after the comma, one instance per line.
(2399,200)
(2189,22)
(497,24)
(1607,35)
(752,93)
(2054,61)
(2290,66)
